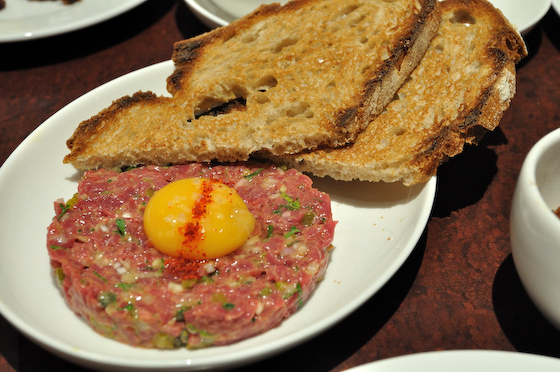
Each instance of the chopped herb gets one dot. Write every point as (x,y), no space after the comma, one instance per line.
(106,298)
(99,276)
(293,230)
(291,205)
(121,225)
(179,314)
(69,204)
(205,280)
(124,286)
(63,209)
(269,230)
(55,247)
(300,294)
(265,292)
(228,306)
(128,307)
(188,283)
(249,177)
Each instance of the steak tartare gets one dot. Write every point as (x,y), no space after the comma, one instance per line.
(113,277)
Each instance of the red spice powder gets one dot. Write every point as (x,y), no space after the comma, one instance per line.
(181,268)
(192,231)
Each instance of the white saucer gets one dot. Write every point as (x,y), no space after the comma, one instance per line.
(214,13)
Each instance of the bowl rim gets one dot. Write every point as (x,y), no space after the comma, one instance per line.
(528,175)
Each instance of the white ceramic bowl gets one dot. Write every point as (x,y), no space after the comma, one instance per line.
(535,229)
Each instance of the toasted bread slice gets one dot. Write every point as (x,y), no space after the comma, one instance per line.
(310,73)
(465,81)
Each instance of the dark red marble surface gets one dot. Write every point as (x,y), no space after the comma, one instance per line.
(458,290)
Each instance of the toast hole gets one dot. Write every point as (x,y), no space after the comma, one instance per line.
(265,83)
(335,28)
(439,48)
(363,39)
(299,108)
(509,45)
(261,98)
(238,104)
(355,22)
(399,131)
(347,10)
(284,43)
(463,16)
(331,85)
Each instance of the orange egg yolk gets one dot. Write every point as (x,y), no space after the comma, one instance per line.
(197,218)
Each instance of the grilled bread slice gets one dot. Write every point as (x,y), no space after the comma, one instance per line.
(464,82)
(282,79)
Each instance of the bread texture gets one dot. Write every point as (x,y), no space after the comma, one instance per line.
(283,79)
(459,90)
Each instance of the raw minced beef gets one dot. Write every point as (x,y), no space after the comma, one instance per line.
(112,275)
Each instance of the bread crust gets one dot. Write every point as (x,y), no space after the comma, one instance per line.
(463,85)
(302,88)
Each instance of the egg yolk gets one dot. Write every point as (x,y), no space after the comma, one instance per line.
(197,218)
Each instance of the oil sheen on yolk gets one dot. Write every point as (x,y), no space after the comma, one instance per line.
(197,218)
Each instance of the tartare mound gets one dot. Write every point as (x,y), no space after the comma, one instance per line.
(113,277)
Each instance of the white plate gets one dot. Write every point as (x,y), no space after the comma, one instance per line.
(463,361)
(26,20)
(215,13)
(556,6)
(379,226)
(524,14)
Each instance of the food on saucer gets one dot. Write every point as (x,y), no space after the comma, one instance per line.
(282,79)
(118,280)
(309,80)
(460,89)
(66,2)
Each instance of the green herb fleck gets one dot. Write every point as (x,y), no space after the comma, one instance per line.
(293,230)
(228,306)
(55,247)
(249,177)
(124,286)
(291,205)
(99,276)
(300,294)
(128,307)
(121,225)
(179,316)
(106,298)
(69,204)
(265,292)
(269,231)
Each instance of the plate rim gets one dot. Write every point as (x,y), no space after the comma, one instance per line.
(212,20)
(470,357)
(119,7)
